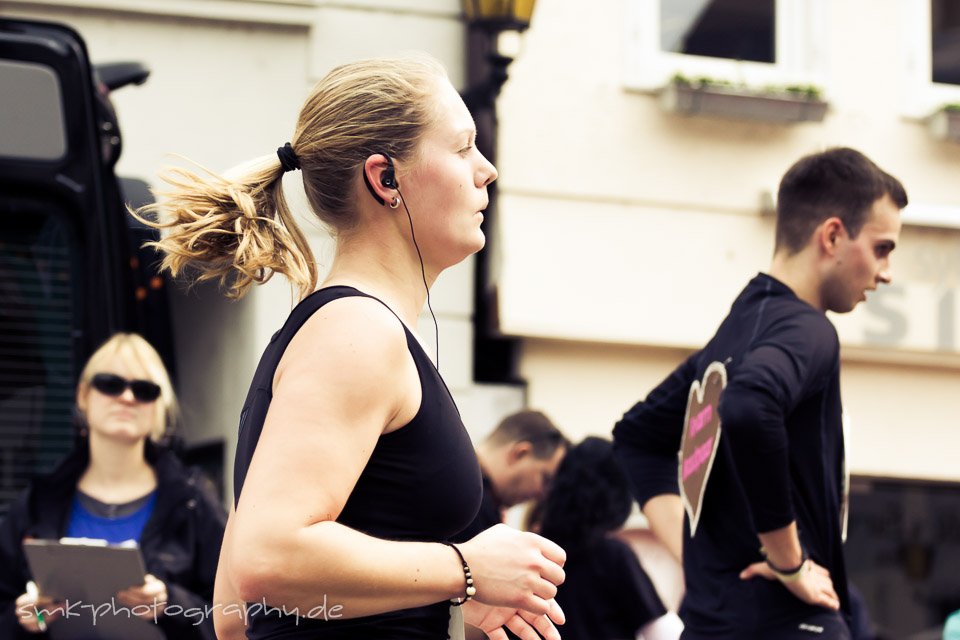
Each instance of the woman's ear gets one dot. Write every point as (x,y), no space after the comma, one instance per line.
(380,178)
(83,392)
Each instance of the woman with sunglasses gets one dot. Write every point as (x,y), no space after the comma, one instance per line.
(120,484)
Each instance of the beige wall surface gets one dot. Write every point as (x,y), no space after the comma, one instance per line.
(627,230)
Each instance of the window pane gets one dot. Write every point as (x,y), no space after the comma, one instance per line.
(31,103)
(736,29)
(945,38)
(903,553)
(36,350)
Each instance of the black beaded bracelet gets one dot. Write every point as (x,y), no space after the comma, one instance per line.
(470,590)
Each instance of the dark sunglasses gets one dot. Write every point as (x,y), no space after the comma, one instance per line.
(112,385)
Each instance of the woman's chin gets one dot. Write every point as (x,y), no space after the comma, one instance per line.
(481,241)
(478,243)
(124,435)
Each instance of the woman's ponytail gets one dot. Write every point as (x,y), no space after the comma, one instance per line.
(236,230)
(241,231)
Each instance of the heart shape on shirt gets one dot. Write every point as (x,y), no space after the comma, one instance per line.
(701,437)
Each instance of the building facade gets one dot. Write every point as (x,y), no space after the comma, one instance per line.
(641,145)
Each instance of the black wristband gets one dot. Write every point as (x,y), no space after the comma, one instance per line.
(470,591)
(786,572)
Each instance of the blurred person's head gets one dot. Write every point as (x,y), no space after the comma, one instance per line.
(589,497)
(124,392)
(521,456)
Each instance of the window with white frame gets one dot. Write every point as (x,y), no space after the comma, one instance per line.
(751,42)
(932,63)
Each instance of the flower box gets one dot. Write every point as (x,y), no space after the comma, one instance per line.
(728,101)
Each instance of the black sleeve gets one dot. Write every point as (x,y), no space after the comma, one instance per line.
(13,579)
(646,440)
(211,519)
(769,383)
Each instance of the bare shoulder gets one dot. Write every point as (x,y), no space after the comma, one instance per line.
(348,333)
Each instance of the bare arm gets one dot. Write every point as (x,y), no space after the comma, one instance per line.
(665,515)
(229,619)
(346,378)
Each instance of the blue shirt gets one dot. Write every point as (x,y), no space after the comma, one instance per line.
(86,524)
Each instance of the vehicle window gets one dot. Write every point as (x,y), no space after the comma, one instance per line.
(32,126)
(36,348)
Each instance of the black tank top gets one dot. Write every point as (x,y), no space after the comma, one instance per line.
(422,482)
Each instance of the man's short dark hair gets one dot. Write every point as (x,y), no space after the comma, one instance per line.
(839,182)
(533,427)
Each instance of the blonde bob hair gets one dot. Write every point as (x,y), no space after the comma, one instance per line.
(136,353)
(239,229)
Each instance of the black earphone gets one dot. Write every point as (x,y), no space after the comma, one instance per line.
(388,179)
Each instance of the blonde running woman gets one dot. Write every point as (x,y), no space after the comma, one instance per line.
(353,467)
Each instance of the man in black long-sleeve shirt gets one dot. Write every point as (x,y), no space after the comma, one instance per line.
(766,560)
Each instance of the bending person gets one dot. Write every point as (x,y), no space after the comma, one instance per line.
(353,467)
(518,461)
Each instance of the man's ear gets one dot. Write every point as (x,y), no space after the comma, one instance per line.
(518,451)
(829,234)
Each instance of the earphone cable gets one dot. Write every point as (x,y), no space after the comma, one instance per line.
(423,273)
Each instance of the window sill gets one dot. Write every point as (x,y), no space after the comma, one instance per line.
(741,104)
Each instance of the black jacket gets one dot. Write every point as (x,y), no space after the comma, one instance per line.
(180,542)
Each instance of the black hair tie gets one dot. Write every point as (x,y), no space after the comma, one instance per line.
(288,158)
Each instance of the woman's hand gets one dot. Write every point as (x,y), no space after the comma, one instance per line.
(515,569)
(149,599)
(31,607)
(524,624)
